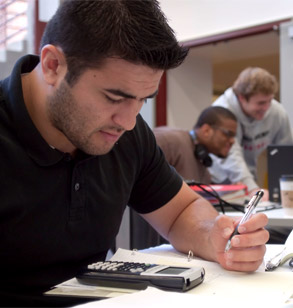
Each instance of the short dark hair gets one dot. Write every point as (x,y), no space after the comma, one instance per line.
(213,116)
(89,31)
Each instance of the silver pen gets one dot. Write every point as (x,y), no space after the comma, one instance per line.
(249,211)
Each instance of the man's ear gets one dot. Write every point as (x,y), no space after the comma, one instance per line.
(207,130)
(241,99)
(53,64)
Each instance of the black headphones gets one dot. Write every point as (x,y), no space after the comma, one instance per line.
(200,151)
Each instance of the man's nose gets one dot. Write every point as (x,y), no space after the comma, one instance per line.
(267,106)
(232,140)
(126,114)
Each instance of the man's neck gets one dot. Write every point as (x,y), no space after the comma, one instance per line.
(35,93)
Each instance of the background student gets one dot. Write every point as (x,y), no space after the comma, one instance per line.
(188,151)
(261,121)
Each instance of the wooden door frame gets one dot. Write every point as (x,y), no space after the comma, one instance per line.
(39,27)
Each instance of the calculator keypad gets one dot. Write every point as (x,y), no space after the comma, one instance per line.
(122,267)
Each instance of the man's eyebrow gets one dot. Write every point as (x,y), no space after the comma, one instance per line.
(127,95)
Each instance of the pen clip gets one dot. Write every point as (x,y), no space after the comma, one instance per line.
(251,206)
(250,203)
(190,255)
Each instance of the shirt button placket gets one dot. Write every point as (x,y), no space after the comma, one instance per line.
(76,186)
(77,197)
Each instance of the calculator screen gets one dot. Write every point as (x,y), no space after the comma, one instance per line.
(173,270)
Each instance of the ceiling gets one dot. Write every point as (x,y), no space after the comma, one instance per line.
(232,56)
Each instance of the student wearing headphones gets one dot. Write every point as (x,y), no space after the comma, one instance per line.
(188,151)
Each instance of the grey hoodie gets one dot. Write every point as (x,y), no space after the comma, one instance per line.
(253,137)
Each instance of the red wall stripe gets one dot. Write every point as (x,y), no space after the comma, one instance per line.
(161,103)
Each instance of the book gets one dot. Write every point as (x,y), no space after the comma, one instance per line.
(232,193)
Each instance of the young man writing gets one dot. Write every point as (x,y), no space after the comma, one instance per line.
(75,152)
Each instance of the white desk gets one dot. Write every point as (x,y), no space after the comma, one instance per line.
(220,288)
(277,218)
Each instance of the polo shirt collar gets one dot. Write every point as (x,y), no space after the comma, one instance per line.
(37,148)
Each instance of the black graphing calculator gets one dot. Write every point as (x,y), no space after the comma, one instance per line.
(139,276)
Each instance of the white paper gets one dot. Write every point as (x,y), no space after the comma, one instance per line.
(220,288)
(269,287)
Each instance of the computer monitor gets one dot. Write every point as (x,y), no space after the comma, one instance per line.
(280,161)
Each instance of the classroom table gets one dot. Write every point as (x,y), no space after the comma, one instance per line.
(220,288)
(277,217)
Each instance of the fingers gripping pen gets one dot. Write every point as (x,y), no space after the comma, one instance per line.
(249,211)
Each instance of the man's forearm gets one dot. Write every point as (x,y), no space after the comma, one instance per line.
(192,229)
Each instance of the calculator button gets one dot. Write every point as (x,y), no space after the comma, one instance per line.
(133,270)
(105,266)
(97,267)
(112,267)
(113,263)
(132,267)
(120,264)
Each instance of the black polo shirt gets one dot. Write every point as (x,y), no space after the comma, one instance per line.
(58,213)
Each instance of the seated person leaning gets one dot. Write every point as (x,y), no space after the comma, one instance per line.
(188,151)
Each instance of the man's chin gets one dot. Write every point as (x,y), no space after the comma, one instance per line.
(223,156)
(259,117)
(96,151)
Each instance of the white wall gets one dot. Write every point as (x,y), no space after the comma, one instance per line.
(148,112)
(47,8)
(286,68)
(189,90)
(199,18)
(193,19)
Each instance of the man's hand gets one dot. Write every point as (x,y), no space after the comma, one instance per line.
(189,222)
(247,249)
